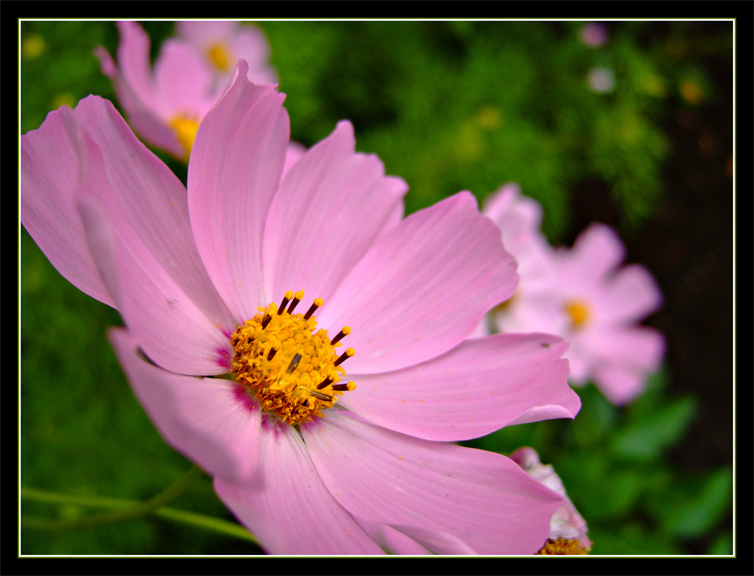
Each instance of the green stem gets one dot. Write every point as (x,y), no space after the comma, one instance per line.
(129,509)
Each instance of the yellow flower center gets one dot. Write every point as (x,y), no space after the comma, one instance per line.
(579,312)
(563,547)
(292,371)
(219,54)
(185,128)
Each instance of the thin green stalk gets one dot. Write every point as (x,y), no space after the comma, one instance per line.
(130,509)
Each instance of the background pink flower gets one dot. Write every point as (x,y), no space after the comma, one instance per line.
(166,104)
(595,306)
(222,43)
(187,269)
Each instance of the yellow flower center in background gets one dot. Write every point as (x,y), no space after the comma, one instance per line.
(563,547)
(185,128)
(292,371)
(219,54)
(579,312)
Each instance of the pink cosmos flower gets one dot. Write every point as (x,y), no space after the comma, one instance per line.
(595,307)
(223,42)
(166,104)
(567,527)
(518,218)
(312,461)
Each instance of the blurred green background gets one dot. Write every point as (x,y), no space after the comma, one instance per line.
(448,106)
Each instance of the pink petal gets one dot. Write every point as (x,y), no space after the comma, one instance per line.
(474,389)
(444,496)
(628,296)
(251,44)
(206,419)
(136,90)
(423,287)
(134,61)
(392,540)
(292,155)
(639,347)
(233,173)
(52,173)
(329,210)
(620,384)
(154,203)
(184,80)
(167,324)
(596,252)
(517,216)
(294,513)
(205,32)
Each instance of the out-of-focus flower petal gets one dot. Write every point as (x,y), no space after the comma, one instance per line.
(474,389)
(629,295)
(423,488)
(234,171)
(183,82)
(596,252)
(209,420)
(635,346)
(251,44)
(329,210)
(294,514)
(399,316)
(136,89)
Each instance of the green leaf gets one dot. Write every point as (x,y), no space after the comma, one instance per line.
(646,438)
(699,514)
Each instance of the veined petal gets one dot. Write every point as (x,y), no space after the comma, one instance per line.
(423,287)
(209,420)
(480,386)
(392,540)
(430,489)
(52,174)
(167,324)
(294,514)
(233,173)
(154,202)
(331,206)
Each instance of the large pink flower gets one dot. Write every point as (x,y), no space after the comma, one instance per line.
(256,393)
(166,105)
(595,306)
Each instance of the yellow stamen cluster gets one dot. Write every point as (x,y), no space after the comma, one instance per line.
(185,128)
(220,56)
(563,547)
(293,371)
(579,312)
